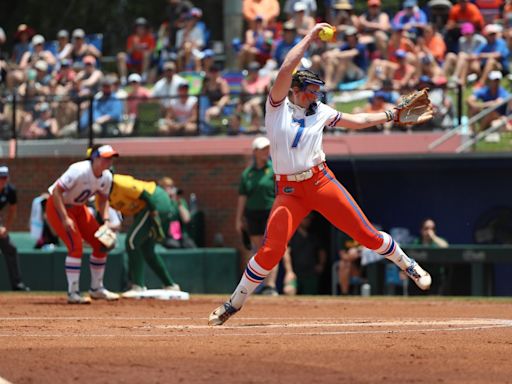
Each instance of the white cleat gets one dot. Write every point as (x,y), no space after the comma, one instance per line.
(222,314)
(134,292)
(77,298)
(419,275)
(175,287)
(103,294)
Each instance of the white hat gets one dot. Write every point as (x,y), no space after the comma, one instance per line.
(38,39)
(41,65)
(495,75)
(299,6)
(492,28)
(4,171)
(134,78)
(260,143)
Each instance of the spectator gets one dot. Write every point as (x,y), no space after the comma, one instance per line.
(81,48)
(65,75)
(64,47)
(428,236)
(256,194)
(348,63)
(310,7)
(89,77)
(308,258)
(344,16)
(37,53)
(137,95)
(487,97)
(29,60)
(205,61)
(374,26)
(167,86)
(458,66)
(349,252)
(430,42)
(377,103)
(462,12)
(235,126)
(257,45)
(22,42)
(150,207)
(107,111)
(190,40)
(254,89)
(303,23)
(181,116)
(268,9)
(216,90)
(401,74)
(493,55)
(45,126)
(179,217)
(410,17)
(399,41)
(429,67)
(289,40)
(140,46)
(176,10)
(9,198)
(442,103)
(72,222)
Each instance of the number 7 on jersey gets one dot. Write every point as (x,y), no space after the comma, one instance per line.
(298,135)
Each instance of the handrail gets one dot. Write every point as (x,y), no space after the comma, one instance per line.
(472,120)
(481,135)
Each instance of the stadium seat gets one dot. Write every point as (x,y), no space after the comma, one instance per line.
(148,114)
(195,81)
(95,39)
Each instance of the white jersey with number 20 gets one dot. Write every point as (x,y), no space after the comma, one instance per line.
(296,139)
(79,183)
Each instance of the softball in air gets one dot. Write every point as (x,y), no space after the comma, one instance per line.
(326,34)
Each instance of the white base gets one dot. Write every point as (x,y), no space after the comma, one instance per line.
(162,294)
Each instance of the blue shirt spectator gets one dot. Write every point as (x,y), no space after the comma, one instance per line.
(106,109)
(486,94)
(411,16)
(362,58)
(290,39)
(495,44)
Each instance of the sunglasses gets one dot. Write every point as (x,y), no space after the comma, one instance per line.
(316,93)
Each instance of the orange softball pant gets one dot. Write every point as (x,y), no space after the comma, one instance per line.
(295,200)
(86,225)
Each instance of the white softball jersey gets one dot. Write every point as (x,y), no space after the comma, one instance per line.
(296,139)
(79,183)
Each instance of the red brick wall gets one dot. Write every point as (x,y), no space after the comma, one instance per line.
(214,179)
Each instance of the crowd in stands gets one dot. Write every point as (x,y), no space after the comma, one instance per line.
(173,65)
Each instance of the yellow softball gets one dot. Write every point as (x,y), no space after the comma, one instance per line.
(326,34)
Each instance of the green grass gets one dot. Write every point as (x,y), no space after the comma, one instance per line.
(504,145)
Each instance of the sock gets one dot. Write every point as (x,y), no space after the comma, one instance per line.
(97,271)
(252,277)
(392,251)
(72,265)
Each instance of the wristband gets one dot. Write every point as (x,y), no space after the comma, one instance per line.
(390,115)
(107,219)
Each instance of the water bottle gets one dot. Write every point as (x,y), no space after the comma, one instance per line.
(192,203)
(366,290)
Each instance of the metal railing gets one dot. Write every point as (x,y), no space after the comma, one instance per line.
(463,126)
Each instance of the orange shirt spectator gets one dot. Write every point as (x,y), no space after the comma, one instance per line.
(465,12)
(268,9)
(139,42)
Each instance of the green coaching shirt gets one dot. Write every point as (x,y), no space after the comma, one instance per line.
(258,186)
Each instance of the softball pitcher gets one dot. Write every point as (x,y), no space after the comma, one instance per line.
(69,217)
(150,206)
(295,122)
